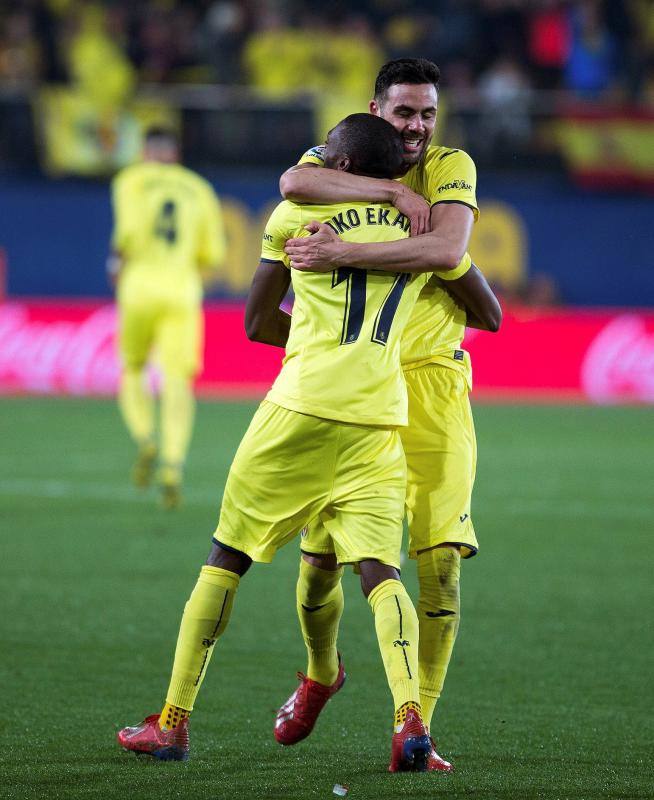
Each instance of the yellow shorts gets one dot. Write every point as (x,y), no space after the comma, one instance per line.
(441,454)
(172,328)
(291,468)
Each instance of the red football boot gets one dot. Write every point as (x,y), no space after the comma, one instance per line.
(296,718)
(411,745)
(436,762)
(170,745)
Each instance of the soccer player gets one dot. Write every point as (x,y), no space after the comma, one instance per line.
(167,240)
(437,191)
(324,443)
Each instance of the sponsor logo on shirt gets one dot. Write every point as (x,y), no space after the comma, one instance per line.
(316,152)
(457,184)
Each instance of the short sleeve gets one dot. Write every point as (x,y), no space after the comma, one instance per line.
(459,271)
(283,224)
(316,155)
(452,178)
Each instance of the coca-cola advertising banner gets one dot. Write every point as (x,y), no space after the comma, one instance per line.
(601,356)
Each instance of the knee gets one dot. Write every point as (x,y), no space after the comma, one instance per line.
(317,583)
(176,380)
(439,573)
(324,561)
(373,573)
(231,560)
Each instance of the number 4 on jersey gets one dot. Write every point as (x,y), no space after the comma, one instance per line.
(165,226)
(355,304)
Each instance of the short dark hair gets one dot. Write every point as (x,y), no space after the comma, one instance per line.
(372,144)
(405,70)
(157,133)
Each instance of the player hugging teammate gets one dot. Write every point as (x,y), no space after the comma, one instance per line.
(372,320)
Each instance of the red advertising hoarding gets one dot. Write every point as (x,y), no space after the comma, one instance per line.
(598,356)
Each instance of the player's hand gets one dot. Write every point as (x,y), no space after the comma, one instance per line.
(413,206)
(319,252)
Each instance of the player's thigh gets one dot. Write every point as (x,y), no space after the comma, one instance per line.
(441,454)
(365,515)
(137,321)
(180,339)
(279,480)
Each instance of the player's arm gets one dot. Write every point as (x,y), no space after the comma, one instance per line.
(264,320)
(443,248)
(483,309)
(308,183)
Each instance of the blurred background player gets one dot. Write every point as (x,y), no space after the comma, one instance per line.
(167,240)
(438,191)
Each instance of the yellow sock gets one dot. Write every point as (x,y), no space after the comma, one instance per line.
(320,605)
(396,624)
(177,413)
(401,712)
(136,406)
(206,615)
(438,614)
(171,716)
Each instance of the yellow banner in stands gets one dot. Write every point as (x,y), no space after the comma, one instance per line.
(80,138)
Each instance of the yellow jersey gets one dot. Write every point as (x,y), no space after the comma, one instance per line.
(343,353)
(167,226)
(437,325)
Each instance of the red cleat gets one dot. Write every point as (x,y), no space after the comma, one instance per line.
(435,762)
(148,738)
(296,718)
(411,746)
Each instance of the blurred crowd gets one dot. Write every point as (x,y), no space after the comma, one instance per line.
(502,49)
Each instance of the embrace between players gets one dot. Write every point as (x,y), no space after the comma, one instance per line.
(369,413)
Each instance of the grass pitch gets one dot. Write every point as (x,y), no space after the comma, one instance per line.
(549,694)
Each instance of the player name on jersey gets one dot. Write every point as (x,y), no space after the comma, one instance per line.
(374,215)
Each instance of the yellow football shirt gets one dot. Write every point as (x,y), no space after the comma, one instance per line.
(168,225)
(343,353)
(437,325)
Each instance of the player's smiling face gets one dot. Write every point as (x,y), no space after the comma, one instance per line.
(411,110)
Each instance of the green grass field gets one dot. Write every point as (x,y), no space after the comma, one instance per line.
(549,694)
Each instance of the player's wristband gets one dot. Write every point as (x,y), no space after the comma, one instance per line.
(461,268)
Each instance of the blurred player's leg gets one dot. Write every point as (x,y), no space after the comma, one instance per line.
(179,340)
(137,408)
(177,415)
(136,326)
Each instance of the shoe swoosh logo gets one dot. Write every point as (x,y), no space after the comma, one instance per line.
(442,613)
